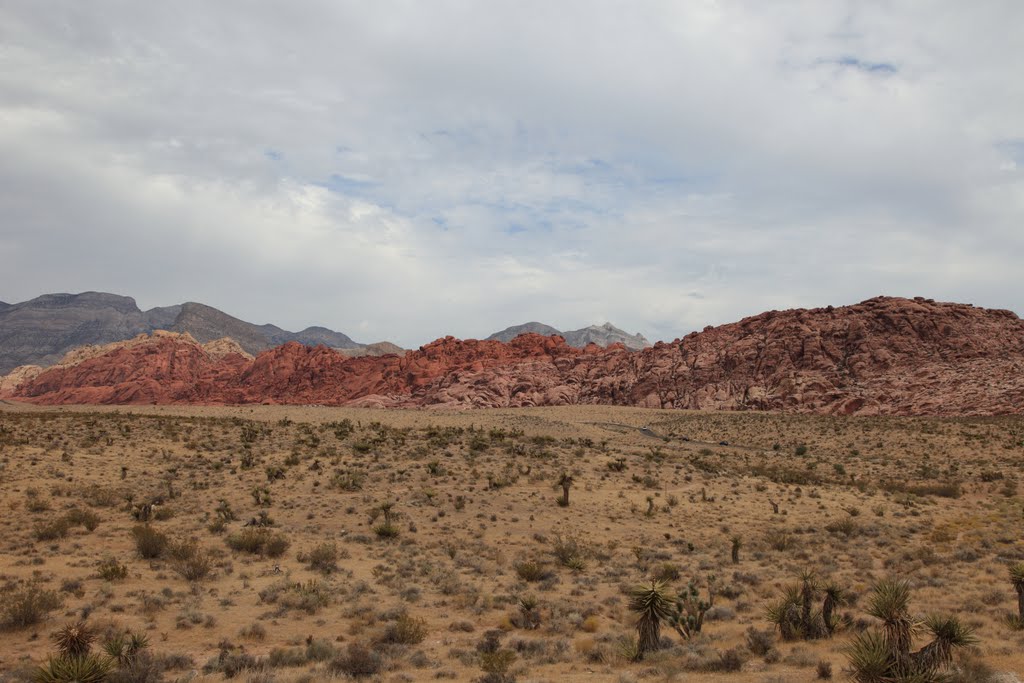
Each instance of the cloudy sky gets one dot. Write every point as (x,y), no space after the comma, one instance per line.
(405,170)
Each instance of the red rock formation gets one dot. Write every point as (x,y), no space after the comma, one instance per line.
(882,356)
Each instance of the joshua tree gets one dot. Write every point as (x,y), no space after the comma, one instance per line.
(1017,579)
(835,596)
(883,655)
(688,615)
(652,605)
(565,481)
(386,509)
(737,543)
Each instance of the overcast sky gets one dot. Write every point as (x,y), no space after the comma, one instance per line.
(406,170)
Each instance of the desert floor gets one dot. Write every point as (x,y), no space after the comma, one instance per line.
(413,542)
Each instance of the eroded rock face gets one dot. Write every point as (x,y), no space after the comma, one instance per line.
(882,356)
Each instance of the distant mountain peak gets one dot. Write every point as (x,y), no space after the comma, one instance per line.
(602,335)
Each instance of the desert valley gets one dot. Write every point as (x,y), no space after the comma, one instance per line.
(768,501)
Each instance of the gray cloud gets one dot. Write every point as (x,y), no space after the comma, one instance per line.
(405,170)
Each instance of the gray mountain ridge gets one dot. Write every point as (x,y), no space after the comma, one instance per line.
(40,331)
(602,335)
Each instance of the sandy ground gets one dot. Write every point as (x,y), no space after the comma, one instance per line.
(474,496)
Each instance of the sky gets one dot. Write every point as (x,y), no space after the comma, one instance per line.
(406,170)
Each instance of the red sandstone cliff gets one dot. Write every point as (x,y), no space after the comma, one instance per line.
(882,356)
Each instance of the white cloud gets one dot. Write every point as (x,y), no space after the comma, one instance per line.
(411,170)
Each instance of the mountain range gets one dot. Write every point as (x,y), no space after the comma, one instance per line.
(41,331)
(602,335)
(883,356)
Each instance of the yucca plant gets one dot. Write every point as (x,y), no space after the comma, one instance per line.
(87,669)
(74,640)
(835,596)
(794,613)
(125,647)
(652,605)
(1017,579)
(889,603)
(74,663)
(884,655)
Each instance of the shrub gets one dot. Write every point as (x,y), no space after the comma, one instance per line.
(760,642)
(110,569)
(406,630)
(531,570)
(323,558)
(258,541)
(666,572)
(358,661)
(53,530)
(84,518)
(29,606)
(385,530)
(309,597)
(150,543)
(189,561)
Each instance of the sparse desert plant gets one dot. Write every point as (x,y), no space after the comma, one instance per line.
(88,669)
(259,541)
(689,610)
(737,543)
(150,543)
(28,605)
(883,655)
(110,569)
(309,597)
(794,613)
(531,570)
(565,481)
(652,605)
(406,630)
(571,552)
(76,663)
(359,661)
(190,561)
(1016,572)
(52,530)
(74,640)
(86,519)
(323,558)
(387,528)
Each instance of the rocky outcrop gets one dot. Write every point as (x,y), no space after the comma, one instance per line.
(216,350)
(882,356)
(602,335)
